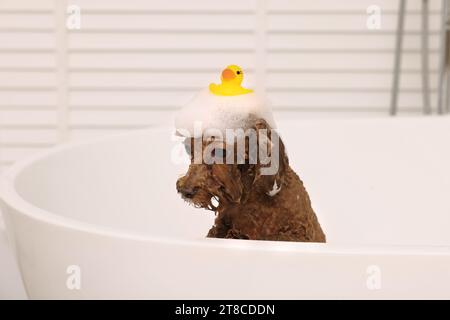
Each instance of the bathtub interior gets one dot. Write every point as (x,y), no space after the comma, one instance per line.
(377,181)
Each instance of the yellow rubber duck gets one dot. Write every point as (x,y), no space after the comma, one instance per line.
(231,78)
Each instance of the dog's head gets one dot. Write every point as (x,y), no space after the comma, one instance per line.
(224,171)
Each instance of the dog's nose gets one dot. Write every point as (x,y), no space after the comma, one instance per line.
(188,192)
(184,190)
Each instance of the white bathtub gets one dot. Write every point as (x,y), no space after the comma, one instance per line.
(106,215)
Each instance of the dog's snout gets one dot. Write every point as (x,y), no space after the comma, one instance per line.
(186,191)
(189,192)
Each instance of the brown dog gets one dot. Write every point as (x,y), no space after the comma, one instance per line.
(251,205)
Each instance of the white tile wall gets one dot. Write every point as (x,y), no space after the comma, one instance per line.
(134,61)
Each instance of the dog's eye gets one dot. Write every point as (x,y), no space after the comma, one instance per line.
(219,153)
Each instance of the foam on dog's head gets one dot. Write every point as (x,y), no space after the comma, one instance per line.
(221,112)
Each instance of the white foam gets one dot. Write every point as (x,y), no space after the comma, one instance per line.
(275,189)
(221,112)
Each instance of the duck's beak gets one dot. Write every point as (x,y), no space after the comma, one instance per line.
(228,75)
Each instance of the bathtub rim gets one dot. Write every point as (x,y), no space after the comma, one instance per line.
(11,198)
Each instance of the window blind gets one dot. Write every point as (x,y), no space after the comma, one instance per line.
(134,62)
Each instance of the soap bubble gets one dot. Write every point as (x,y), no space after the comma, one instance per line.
(222,112)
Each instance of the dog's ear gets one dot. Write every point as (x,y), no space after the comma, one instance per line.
(272,159)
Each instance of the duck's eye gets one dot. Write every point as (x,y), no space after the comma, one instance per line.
(238,72)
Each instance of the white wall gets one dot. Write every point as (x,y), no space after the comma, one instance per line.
(134,61)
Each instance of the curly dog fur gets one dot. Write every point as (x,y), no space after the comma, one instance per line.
(246,207)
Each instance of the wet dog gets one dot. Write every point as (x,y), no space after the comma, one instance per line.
(248,203)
